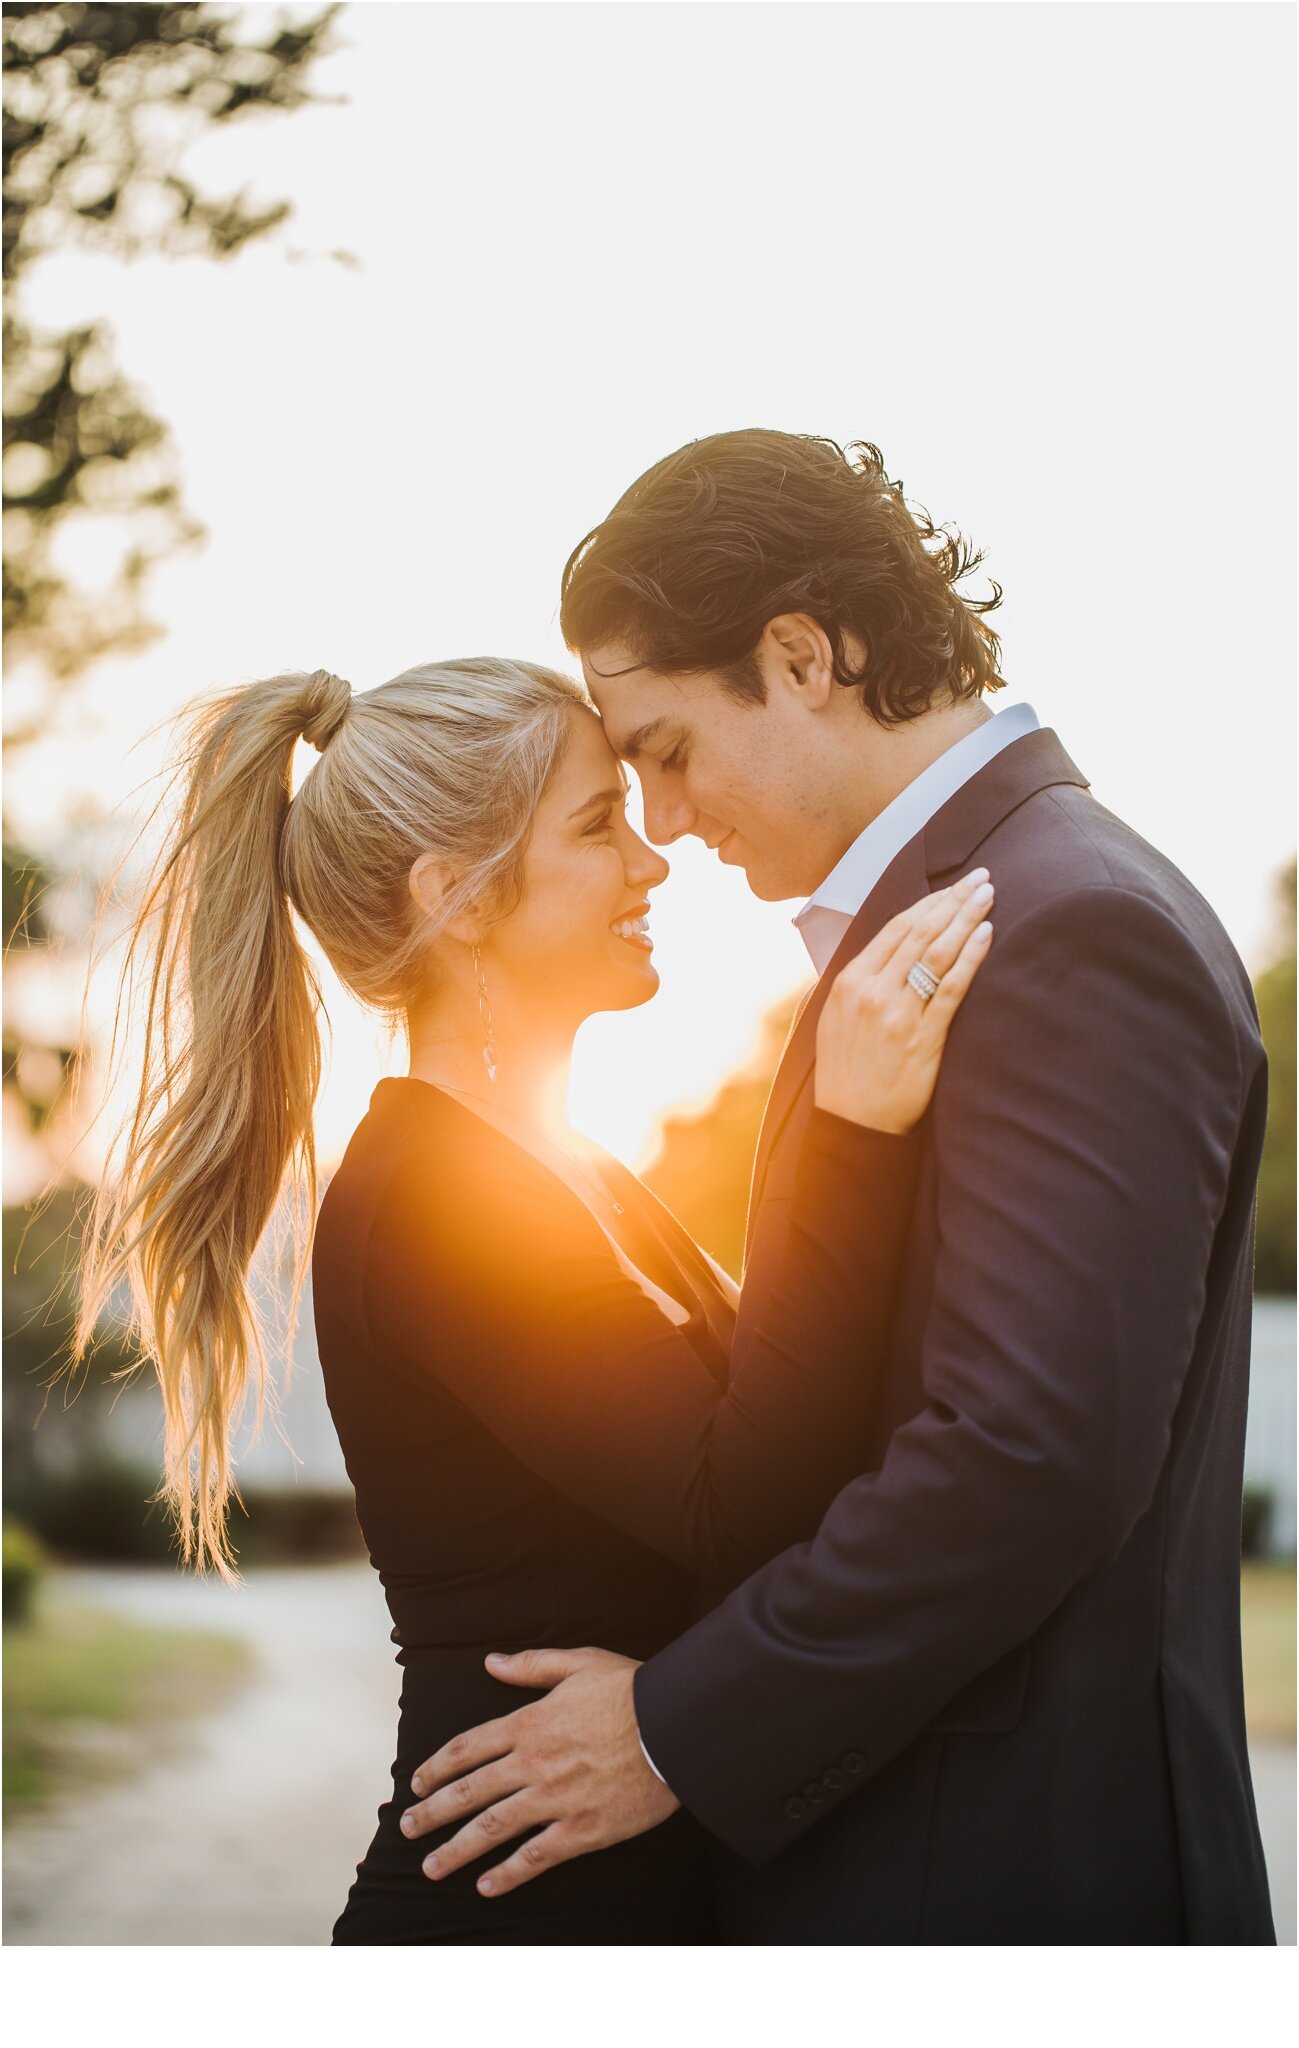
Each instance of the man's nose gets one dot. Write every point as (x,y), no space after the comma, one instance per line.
(666,818)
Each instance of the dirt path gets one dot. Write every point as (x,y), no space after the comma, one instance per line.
(248,1829)
(1272,1766)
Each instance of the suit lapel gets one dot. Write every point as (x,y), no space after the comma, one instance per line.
(947,843)
(901,883)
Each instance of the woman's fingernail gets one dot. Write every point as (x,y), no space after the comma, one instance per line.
(984,931)
(430,1866)
(983,894)
(977,875)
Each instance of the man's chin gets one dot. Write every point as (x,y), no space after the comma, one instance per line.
(769,887)
(764,881)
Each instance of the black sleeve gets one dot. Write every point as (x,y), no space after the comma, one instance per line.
(502,1285)
(1084,1126)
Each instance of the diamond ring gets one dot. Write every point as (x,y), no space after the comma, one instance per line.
(922,981)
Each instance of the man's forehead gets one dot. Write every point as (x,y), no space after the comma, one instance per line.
(613,661)
(614,676)
(627,727)
(633,700)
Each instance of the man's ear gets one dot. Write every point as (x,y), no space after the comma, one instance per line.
(429,881)
(795,652)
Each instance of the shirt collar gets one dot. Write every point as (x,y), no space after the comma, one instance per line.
(827,913)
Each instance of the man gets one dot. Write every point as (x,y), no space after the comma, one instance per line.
(998,1697)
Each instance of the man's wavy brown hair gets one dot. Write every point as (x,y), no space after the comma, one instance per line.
(735,529)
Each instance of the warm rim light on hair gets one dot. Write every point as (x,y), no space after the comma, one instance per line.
(736,529)
(447,758)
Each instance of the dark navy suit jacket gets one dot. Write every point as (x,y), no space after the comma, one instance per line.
(998,1697)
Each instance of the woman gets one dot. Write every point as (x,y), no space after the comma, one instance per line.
(557,1424)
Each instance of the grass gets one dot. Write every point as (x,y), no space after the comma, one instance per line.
(1267,1627)
(89,1695)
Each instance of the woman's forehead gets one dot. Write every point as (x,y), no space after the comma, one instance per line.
(589,768)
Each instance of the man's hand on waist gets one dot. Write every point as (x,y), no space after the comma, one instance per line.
(571,1764)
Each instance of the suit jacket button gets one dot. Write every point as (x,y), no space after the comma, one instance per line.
(834,1779)
(795,1809)
(814,1793)
(854,1763)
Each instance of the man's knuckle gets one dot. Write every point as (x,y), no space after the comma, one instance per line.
(533,1854)
(463,1792)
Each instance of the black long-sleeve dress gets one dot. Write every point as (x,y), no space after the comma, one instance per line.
(541,1457)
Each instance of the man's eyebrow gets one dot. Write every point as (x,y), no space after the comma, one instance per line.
(608,675)
(632,746)
(605,796)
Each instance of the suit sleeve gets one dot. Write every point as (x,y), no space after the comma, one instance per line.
(1083,1126)
(502,1287)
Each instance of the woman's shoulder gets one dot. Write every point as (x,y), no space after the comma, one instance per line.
(418,1152)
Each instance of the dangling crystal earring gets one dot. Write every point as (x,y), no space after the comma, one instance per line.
(485,1012)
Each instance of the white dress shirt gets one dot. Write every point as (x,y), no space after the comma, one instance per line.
(827,914)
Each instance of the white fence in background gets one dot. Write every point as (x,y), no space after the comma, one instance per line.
(316,1461)
(1270,1432)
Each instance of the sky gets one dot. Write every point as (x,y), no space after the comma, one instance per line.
(1041,255)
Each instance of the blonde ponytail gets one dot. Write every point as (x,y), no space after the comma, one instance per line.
(448,757)
(231,1065)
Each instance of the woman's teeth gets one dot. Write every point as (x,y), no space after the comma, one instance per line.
(635,930)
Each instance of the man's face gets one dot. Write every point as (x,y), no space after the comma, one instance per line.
(745,778)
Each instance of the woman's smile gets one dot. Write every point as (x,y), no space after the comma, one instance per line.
(633,929)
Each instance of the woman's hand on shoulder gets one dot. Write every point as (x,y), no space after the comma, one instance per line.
(879,1042)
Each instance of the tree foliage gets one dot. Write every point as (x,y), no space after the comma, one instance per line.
(101,103)
(705,1159)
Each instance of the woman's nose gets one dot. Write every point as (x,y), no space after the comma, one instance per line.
(644,865)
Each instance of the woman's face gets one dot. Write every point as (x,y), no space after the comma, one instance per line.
(577,942)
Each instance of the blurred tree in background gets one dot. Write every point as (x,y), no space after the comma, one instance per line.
(100,105)
(705,1160)
(1275,990)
